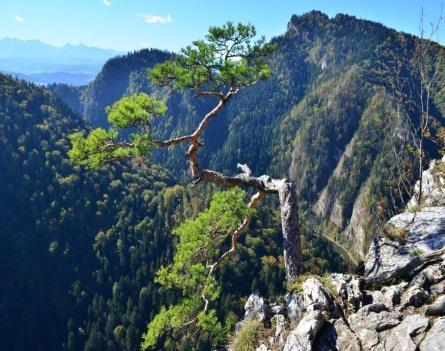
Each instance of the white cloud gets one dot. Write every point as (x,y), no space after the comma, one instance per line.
(155,19)
(106,2)
(144,44)
(19,18)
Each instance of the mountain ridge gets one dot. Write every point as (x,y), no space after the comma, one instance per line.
(330,88)
(35,48)
(43,63)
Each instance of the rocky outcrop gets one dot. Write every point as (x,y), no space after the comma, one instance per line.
(434,339)
(303,336)
(433,186)
(256,308)
(413,239)
(344,313)
(398,305)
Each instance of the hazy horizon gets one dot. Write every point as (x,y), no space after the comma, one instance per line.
(133,25)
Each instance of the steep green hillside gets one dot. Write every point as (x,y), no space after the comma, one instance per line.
(54,221)
(326,118)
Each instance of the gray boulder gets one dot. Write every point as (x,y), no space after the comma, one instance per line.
(294,306)
(313,297)
(437,308)
(303,336)
(392,294)
(434,273)
(336,335)
(388,295)
(400,337)
(433,187)
(372,319)
(414,296)
(256,308)
(438,288)
(348,288)
(388,259)
(278,309)
(317,297)
(434,339)
(280,329)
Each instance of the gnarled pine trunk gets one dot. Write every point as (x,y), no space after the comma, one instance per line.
(291,232)
(264,184)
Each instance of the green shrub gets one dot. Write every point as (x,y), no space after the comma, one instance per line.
(416,252)
(248,337)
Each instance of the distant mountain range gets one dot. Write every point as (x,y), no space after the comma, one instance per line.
(43,63)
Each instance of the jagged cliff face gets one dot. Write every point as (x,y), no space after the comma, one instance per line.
(355,313)
(324,119)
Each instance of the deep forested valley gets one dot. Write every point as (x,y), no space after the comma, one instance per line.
(79,248)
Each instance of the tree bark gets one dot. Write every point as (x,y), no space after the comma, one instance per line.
(291,232)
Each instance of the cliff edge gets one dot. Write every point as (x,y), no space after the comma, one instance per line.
(397,304)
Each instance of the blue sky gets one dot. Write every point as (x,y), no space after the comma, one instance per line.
(171,24)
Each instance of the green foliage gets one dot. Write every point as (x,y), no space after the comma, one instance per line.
(200,243)
(137,110)
(247,339)
(228,57)
(101,146)
(91,151)
(416,252)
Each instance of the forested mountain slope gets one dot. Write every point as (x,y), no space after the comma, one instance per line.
(78,249)
(326,118)
(57,222)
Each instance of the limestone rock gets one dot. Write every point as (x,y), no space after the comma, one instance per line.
(336,335)
(413,324)
(434,273)
(438,288)
(434,339)
(388,295)
(387,259)
(426,228)
(280,329)
(424,243)
(294,306)
(348,288)
(317,297)
(256,308)
(375,317)
(393,293)
(346,339)
(368,338)
(278,309)
(433,187)
(400,337)
(437,308)
(414,296)
(303,336)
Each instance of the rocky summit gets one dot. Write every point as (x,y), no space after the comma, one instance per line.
(397,304)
